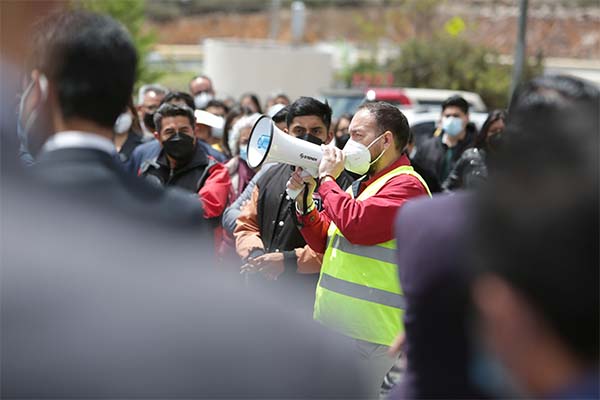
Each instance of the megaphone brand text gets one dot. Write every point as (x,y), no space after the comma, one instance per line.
(305,157)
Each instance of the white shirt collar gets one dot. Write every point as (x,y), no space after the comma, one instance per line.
(78,139)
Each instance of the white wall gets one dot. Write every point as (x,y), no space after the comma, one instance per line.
(265,67)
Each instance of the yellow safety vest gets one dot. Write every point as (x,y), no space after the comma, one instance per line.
(358,293)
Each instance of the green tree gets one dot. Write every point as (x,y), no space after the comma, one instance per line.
(451,62)
(131,14)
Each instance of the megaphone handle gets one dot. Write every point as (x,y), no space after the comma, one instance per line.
(294,193)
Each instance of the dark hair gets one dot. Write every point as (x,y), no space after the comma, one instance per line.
(217,103)
(232,114)
(172,110)
(481,138)
(389,118)
(179,96)
(309,106)
(337,123)
(91,60)
(281,115)
(456,101)
(538,222)
(254,99)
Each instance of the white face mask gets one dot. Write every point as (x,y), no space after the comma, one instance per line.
(123,123)
(202,99)
(358,157)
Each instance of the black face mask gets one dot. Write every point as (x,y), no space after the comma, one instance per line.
(149,122)
(495,142)
(312,139)
(340,142)
(180,147)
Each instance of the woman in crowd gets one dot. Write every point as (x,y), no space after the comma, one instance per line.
(128,132)
(341,130)
(234,114)
(239,171)
(251,101)
(471,168)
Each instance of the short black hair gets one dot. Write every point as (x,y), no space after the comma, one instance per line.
(309,106)
(537,226)
(179,96)
(172,110)
(91,60)
(281,115)
(456,101)
(389,118)
(217,103)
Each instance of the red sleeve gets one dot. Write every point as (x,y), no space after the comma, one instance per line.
(369,221)
(215,191)
(314,230)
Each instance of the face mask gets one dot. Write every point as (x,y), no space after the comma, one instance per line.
(358,157)
(452,125)
(311,139)
(216,132)
(340,142)
(495,142)
(180,147)
(244,152)
(201,99)
(123,123)
(413,152)
(490,375)
(31,143)
(149,122)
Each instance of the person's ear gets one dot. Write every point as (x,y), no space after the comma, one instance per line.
(330,135)
(157,136)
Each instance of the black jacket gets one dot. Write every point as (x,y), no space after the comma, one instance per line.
(190,177)
(469,172)
(431,154)
(98,178)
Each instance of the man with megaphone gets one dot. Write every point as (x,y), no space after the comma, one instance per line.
(267,238)
(358,293)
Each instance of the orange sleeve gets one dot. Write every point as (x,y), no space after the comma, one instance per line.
(309,261)
(247,232)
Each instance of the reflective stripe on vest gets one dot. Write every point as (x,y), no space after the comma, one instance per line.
(358,293)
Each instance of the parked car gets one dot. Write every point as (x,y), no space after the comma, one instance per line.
(347,100)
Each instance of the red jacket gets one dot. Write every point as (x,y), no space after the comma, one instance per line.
(365,222)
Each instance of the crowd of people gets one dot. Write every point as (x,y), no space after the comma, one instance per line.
(464,267)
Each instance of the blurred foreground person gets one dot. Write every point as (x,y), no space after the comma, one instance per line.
(358,293)
(80,85)
(537,246)
(436,339)
(101,304)
(470,171)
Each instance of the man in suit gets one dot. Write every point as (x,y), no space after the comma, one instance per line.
(82,70)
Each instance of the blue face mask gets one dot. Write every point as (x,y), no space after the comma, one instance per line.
(452,125)
(244,152)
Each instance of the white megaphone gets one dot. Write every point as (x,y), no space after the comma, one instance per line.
(268,143)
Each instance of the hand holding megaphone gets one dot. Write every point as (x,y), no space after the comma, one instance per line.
(267,143)
(300,180)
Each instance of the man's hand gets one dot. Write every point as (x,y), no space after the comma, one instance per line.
(270,265)
(297,181)
(332,162)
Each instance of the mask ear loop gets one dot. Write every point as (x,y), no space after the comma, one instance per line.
(380,154)
(43,81)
